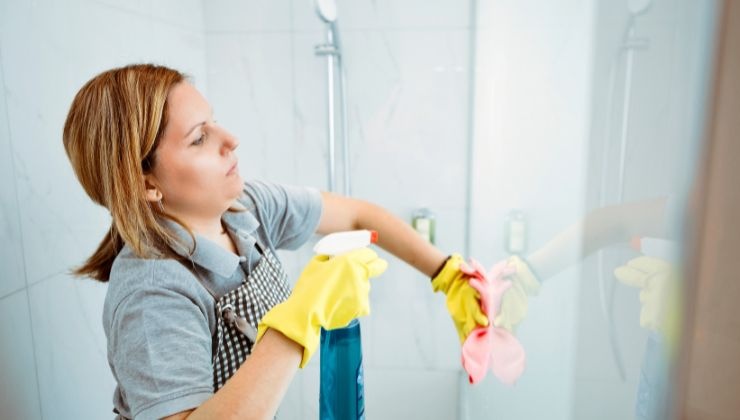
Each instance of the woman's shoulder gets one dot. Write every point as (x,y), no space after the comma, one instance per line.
(132,275)
(268,200)
(128,267)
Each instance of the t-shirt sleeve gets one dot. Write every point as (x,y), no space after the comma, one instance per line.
(289,214)
(161,352)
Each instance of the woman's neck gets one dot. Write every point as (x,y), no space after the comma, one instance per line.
(211,228)
(214,231)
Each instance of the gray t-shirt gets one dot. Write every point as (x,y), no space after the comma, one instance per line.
(159,319)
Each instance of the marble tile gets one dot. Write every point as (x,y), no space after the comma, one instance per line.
(185,14)
(305,18)
(532,13)
(386,14)
(189,14)
(20,396)
(310,112)
(409,115)
(250,89)
(292,403)
(531,104)
(12,271)
(411,101)
(548,333)
(396,394)
(68,334)
(593,352)
(178,48)
(605,400)
(49,196)
(408,327)
(532,79)
(310,384)
(247,16)
(140,7)
(530,398)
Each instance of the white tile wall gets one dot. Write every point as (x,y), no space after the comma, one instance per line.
(387,14)
(309,109)
(38,98)
(408,101)
(310,381)
(12,270)
(70,348)
(251,92)
(53,355)
(20,396)
(532,86)
(247,16)
(414,394)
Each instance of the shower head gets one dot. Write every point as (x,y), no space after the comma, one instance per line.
(326,9)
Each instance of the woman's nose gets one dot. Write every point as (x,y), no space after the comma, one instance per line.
(230,142)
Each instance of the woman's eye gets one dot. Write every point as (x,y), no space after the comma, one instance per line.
(200,140)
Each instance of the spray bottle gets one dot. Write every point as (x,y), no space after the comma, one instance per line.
(342,393)
(652,389)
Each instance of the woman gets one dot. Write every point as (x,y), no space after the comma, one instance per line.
(190,255)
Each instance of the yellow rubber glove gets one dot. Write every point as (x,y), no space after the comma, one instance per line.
(463,302)
(657,280)
(329,293)
(514,302)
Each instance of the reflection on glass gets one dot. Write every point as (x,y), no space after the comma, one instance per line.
(596,141)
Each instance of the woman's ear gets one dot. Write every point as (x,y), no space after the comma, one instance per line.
(153,194)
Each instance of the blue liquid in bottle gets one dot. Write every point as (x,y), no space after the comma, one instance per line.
(342,394)
(653,387)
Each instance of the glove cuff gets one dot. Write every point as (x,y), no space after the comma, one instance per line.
(441,266)
(528,278)
(302,331)
(450,269)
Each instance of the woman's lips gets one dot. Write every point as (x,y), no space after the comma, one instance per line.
(233,169)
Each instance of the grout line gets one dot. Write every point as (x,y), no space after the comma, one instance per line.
(149,16)
(3,85)
(471,128)
(12,292)
(294,136)
(344,30)
(8,295)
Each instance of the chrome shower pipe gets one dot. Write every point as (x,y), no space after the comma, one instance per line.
(629,44)
(336,81)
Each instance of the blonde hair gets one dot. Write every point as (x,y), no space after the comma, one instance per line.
(111,135)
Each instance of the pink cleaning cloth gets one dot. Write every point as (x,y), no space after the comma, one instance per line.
(491,346)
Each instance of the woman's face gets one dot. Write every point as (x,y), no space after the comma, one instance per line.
(195,168)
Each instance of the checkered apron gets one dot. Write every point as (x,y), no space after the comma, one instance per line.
(239,311)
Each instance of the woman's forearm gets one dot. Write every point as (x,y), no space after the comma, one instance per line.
(398,238)
(259,385)
(600,228)
(341,213)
